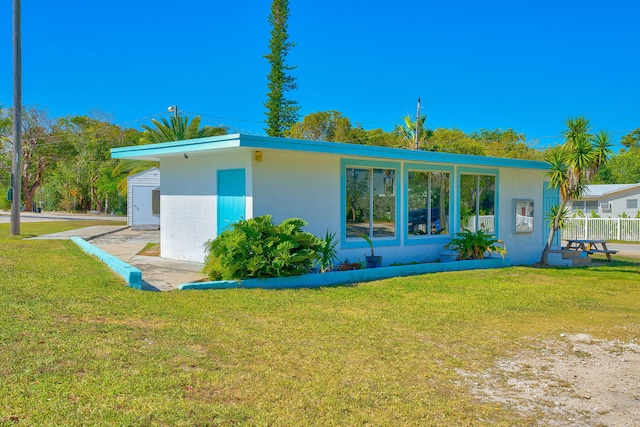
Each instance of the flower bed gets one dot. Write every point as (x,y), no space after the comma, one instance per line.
(339,278)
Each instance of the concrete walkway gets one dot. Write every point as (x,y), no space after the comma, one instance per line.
(159,274)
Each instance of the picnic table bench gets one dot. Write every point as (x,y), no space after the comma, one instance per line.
(590,246)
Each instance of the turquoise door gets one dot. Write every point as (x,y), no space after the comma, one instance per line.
(551,198)
(231,197)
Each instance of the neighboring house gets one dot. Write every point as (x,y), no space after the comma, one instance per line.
(409,202)
(609,200)
(143,200)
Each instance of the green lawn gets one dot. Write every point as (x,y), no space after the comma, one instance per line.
(77,347)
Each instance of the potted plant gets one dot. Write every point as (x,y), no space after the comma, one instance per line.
(374,260)
(475,244)
(448,255)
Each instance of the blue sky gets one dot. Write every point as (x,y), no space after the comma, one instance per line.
(492,64)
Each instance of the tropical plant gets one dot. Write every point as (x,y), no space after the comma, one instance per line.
(327,251)
(474,244)
(177,128)
(369,241)
(572,166)
(408,131)
(126,167)
(257,248)
(563,216)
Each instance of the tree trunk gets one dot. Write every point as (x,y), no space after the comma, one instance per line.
(28,195)
(544,259)
(94,196)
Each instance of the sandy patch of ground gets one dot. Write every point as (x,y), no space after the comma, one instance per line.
(574,381)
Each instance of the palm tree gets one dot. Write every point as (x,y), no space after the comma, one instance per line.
(177,128)
(572,166)
(408,131)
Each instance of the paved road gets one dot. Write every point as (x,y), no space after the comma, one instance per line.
(628,249)
(5,217)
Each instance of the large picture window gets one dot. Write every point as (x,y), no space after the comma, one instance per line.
(478,202)
(370,202)
(428,203)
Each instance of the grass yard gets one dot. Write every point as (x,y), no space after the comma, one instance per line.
(77,347)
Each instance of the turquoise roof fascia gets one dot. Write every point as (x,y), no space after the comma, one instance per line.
(215,143)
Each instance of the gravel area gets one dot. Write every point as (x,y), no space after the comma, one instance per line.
(573,381)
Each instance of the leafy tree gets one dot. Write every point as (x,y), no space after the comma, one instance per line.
(177,128)
(85,177)
(39,150)
(572,166)
(281,112)
(623,168)
(631,140)
(5,149)
(455,141)
(377,137)
(322,126)
(505,143)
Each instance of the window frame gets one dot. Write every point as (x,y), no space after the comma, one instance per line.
(427,238)
(478,171)
(358,242)
(634,201)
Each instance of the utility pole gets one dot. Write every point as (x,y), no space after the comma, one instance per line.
(16,168)
(417,126)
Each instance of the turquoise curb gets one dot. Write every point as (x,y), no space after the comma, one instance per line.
(337,278)
(131,275)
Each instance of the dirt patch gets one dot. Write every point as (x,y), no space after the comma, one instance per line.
(576,380)
(152,249)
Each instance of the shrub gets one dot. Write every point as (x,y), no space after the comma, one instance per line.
(257,248)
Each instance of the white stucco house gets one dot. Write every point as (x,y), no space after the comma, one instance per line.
(143,200)
(609,200)
(409,202)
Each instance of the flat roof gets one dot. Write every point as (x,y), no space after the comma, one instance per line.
(599,190)
(223,143)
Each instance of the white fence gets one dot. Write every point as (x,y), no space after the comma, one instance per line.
(625,229)
(486,223)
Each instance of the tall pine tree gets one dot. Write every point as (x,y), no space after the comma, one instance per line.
(281,112)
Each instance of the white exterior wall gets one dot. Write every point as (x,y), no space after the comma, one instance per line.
(306,186)
(619,204)
(521,184)
(188,201)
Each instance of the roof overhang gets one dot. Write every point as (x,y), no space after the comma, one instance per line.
(219,144)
